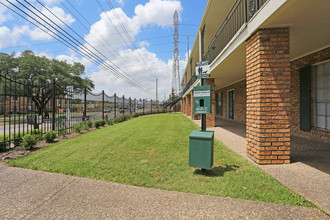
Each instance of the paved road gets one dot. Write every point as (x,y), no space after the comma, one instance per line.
(28,194)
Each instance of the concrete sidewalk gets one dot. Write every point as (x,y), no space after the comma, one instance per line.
(29,194)
(311,183)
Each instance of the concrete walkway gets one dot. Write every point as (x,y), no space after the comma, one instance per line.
(311,183)
(29,194)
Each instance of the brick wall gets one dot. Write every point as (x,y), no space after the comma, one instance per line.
(268,96)
(239,101)
(311,59)
(210,118)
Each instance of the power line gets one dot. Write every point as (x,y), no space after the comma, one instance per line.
(123,28)
(85,41)
(68,42)
(92,27)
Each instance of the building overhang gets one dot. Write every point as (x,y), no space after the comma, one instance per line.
(308,22)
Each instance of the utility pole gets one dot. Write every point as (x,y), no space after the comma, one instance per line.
(157,93)
(176,73)
(156,89)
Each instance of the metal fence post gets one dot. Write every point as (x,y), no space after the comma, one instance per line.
(151,105)
(123,105)
(134,105)
(143,106)
(85,104)
(245,11)
(114,96)
(53,105)
(102,104)
(130,105)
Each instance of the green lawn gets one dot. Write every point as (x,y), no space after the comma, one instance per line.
(152,151)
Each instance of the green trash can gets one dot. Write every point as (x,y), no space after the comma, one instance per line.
(201,149)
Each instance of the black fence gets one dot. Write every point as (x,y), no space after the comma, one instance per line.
(37,108)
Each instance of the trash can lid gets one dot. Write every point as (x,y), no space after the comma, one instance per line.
(201,134)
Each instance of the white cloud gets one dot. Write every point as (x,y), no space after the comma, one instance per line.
(144,44)
(51,2)
(72,58)
(142,65)
(108,27)
(159,12)
(4,16)
(139,64)
(59,12)
(6,38)
(37,34)
(34,33)
(120,2)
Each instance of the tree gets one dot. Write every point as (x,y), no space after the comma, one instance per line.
(38,73)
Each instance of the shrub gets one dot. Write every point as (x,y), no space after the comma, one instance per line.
(116,120)
(97,123)
(17,141)
(36,131)
(77,128)
(84,126)
(17,138)
(50,136)
(62,132)
(28,141)
(103,122)
(110,122)
(89,123)
(4,143)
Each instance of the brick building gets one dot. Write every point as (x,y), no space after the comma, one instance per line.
(270,70)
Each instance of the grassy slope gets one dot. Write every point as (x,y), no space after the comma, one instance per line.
(152,151)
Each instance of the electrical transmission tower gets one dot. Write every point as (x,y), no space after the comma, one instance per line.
(176,73)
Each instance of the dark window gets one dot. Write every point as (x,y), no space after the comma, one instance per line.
(305,98)
(218,98)
(231,104)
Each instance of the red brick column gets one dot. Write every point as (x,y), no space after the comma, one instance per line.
(183,105)
(268,96)
(210,118)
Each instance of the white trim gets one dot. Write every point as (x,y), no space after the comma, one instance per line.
(310,53)
(315,102)
(325,61)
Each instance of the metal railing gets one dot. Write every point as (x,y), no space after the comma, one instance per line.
(189,84)
(240,13)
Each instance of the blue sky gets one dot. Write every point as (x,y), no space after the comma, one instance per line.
(135,36)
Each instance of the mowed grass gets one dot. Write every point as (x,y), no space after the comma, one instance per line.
(153,151)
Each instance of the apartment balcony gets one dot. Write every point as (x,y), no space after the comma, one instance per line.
(189,84)
(238,16)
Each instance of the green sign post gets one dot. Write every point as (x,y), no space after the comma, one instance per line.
(201,142)
(202,100)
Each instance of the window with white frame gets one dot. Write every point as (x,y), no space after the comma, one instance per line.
(322,96)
